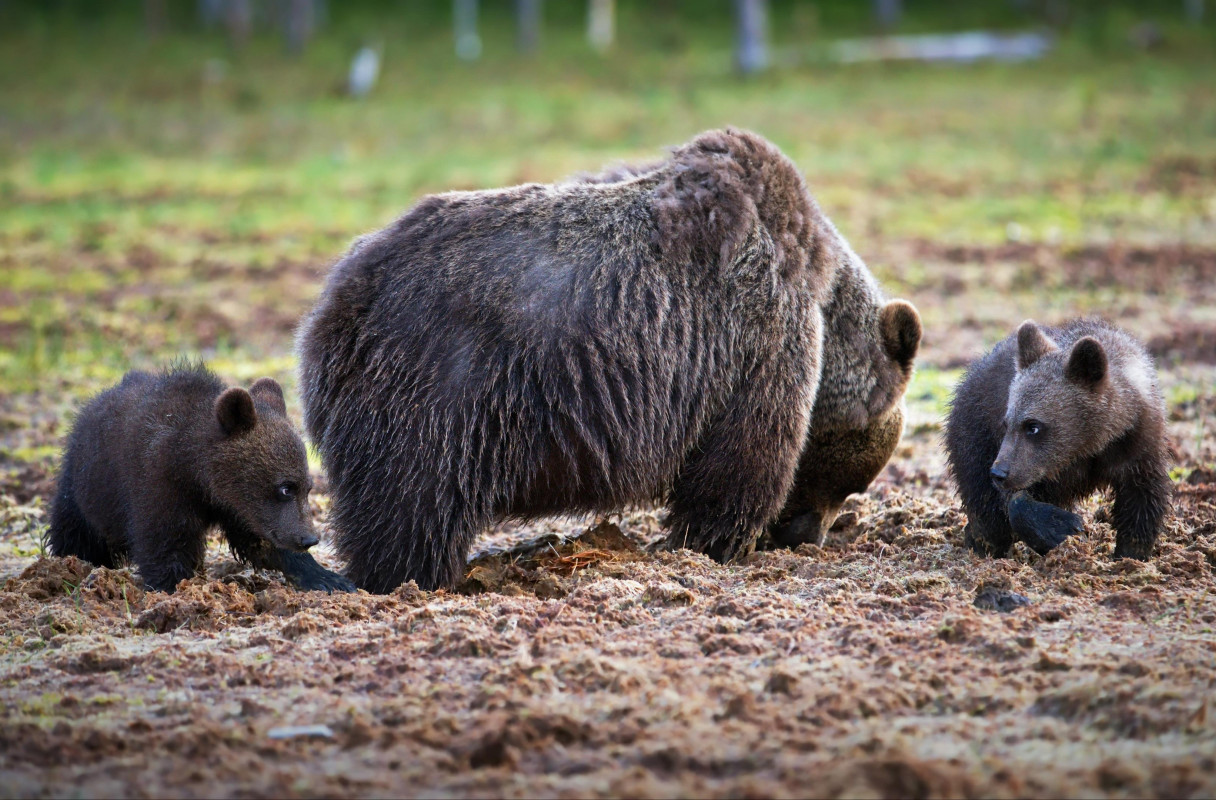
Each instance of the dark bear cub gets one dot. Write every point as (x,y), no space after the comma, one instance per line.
(1046,418)
(154,462)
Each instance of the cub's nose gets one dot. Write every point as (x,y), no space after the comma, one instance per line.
(999,474)
(308,540)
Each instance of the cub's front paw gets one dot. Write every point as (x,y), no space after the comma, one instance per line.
(322,580)
(1042,526)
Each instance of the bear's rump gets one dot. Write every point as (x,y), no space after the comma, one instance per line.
(530,431)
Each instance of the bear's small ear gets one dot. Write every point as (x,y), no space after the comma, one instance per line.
(1033,344)
(901,331)
(269,392)
(234,410)
(1086,362)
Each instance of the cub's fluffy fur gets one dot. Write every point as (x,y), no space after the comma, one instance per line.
(1046,418)
(155,461)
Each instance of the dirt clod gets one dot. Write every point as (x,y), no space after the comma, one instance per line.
(991,598)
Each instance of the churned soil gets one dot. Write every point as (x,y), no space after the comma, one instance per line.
(573,661)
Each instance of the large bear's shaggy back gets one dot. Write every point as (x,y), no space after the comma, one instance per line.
(572,347)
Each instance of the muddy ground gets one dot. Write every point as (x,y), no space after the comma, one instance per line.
(889,662)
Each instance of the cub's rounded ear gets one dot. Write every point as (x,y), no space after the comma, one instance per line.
(1033,344)
(1086,362)
(234,410)
(269,392)
(899,323)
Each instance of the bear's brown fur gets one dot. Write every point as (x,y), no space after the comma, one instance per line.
(869,347)
(568,348)
(1049,416)
(155,461)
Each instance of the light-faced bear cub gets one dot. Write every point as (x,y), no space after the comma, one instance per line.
(152,463)
(1049,416)
(646,335)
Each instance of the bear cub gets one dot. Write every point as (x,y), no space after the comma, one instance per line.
(1049,416)
(152,463)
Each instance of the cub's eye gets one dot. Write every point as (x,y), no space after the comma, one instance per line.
(286,491)
(1032,428)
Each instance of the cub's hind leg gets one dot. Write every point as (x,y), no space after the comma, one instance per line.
(1141,502)
(69,533)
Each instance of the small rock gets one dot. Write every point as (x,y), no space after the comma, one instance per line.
(302,732)
(781,682)
(992,599)
(1050,663)
(1201,475)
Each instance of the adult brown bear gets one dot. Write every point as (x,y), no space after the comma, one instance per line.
(586,346)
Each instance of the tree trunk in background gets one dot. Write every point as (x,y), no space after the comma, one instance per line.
(600,25)
(1194,10)
(299,21)
(210,12)
(464,21)
(527,25)
(154,17)
(1057,13)
(751,35)
(238,18)
(887,13)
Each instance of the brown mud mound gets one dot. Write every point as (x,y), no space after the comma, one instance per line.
(49,577)
(200,605)
(543,566)
(1186,343)
(574,661)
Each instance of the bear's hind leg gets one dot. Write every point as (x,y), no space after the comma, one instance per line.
(1140,505)
(69,533)
(736,481)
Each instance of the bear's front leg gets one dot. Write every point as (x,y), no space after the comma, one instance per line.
(1040,525)
(303,572)
(1140,506)
(988,532)
(300,569)
(737,479)
(168,550)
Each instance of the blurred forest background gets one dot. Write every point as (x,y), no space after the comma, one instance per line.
(176,176)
